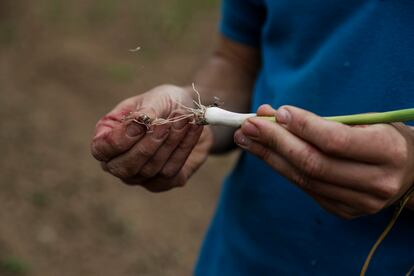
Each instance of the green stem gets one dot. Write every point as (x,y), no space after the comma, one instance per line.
(402,115)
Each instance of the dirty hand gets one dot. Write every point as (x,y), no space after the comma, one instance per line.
(160,159)
(349,171)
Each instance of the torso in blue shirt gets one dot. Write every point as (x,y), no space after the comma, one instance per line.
(330,57)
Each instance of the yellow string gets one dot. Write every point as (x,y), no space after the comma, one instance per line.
(403,202)
(410,271)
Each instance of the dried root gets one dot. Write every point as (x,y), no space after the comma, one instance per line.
(195,115)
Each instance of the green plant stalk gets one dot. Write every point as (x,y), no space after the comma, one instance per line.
(402,115)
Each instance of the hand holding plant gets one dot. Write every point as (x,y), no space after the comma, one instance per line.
(350,171)
(159,158)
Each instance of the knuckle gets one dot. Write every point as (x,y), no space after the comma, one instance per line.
(337,142)
(303,182)
(148,171)
(399,154)
(303,125)
(273,144)
(180,181)
(311,163)
(370,206)
(144,152)
(265,154)
(373,207)
(387,187)
(120,171)
(168,172)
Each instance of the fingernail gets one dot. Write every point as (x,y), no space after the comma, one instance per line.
(180,124)
(161,132)
(133,130)
(242,140)
(283,116)
(250,130)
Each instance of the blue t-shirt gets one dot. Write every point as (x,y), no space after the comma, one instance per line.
(330,57)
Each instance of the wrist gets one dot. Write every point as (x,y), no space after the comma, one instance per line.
(223,141)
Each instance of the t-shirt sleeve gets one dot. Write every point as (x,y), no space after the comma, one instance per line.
(242,21)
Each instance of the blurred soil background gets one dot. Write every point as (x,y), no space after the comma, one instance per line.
(64,64)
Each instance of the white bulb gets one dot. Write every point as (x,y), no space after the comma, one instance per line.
(218,116)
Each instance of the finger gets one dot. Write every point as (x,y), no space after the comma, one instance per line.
(336,208)
(286,169)
(113,135)
(115,140)
(157,162)
(364,203)
(181,153)
(115,117)
(266,110)
(157,184)
(338,139)
(275,160)
(130,163)
(309,160)
(196,157)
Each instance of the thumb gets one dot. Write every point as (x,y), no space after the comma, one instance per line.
(114,135)
(114,138)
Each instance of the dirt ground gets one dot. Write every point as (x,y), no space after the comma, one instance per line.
(63,64)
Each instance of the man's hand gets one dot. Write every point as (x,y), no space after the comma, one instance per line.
(349,171)
(168,156)
(158,160)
